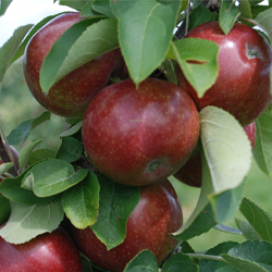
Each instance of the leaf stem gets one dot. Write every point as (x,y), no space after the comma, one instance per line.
(187,17)
(205,256)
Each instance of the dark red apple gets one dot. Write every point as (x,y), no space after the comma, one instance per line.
(243,84)
(49,252)
(191,172)
(157,215)
(70,96)
(139,136)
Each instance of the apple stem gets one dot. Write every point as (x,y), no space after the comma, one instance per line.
(205,256)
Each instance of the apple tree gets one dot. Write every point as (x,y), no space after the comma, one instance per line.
(153,91)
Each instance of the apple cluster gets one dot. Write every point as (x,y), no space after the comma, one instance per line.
(139,136)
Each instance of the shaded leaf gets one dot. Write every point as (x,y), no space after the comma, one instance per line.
(103,6)
(75,4)
(81,202)
(199,16)
(115,206)
(265,22)
(70,149)
(201,224)
(26,152)
(31,33)
(179,262)
(40,155)
(19,135)
(91,38)
(228,15)
(28,221)
(206,265)
(72,130)
(4,167)
(8,50)
(263,144)
(4,4)
(247,230)
(251,256)
(4,210)
(245,8)
(199,64)
(145,32)
(259,219)
(143,261)
(54,176)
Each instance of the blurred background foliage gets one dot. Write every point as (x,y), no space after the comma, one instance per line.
(17,105)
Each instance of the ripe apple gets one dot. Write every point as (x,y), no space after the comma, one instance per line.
(50,252)
(70,96)
(191,172)
(139,136)
(243,84)
(157,215)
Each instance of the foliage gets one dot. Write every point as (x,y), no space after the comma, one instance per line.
(56,179)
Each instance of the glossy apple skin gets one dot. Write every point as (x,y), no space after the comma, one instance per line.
(191,172)
(157,215)
(50,252)
(70,96)
(140,136)
(243,84)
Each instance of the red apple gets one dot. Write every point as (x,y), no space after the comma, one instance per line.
(139,136)
(191,172)
(157,215)
(70,96)
(243,84)
(50,252)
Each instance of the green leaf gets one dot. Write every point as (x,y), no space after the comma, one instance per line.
(31,33)
(40,155)
(5,209)
(245,8)
(247,230)
(70,149)
(226,158)
(75,4)
(19,135)
(227,148)
(115,206)
(259,219)
(81,202)
(54,176)
(11,189)
(199,64)
(8,50)
(4,5)
(199,15)
(227,229)
(178,263)
(90,40)
(265,22)
(72,130)
(207,265)
(28,221)
(263,144)
(251,256)
(227,203)
(87,11)
(103,6)
(145,32)
(201,224)
(143,261)
(4,167)
(228,15)
(26,152)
